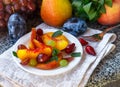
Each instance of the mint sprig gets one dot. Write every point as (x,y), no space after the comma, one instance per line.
(57,33)
(55,52)
(54,58)
(15,54)
(89,9)
(76,54)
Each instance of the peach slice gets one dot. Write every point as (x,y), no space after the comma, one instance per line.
(31,45)
(47,66)
(28,53)
(32,53)
(38,44)
(45,49)
(59,42)
(22,54)
(33,36)
(50,65)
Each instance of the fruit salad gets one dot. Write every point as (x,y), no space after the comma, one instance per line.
(46,51)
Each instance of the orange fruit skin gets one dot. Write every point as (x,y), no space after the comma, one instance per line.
(55,12)
(28,53)
(33,36)
(48,66)
(116,1)
(112,15)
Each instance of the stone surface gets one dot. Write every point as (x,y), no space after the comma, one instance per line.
(107,72)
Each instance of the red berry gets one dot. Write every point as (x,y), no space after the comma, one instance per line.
(42,58)
(22,46)
(39,38)
(39,31)
(90,50)
(83,42)
(70,48)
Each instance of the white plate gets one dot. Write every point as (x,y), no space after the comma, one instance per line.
(24,40)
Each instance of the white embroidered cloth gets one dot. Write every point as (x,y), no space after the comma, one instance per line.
(14,76)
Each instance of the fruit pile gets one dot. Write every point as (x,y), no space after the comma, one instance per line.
(8,7)
(46,50)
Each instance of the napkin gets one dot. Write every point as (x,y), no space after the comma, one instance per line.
(13,76)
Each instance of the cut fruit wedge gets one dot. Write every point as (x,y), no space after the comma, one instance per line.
(59,42)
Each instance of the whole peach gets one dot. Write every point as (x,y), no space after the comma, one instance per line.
(112,15)
(116,1)
(55,12)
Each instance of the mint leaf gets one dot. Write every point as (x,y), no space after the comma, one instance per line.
(15,54)
(103,10)
(92,14)
(108,2)
(76,54)
(87,7)
(97,36)
(54,58)
(101,2)
(87,11)
(77,4)
(55,52)
(85,1)
(57,33)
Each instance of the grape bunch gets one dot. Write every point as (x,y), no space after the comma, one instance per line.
(8,7)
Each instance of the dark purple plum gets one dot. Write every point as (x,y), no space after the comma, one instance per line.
(16,26)
(75,26)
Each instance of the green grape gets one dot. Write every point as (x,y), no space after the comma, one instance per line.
(51,43)
(33,62)
(63,63)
